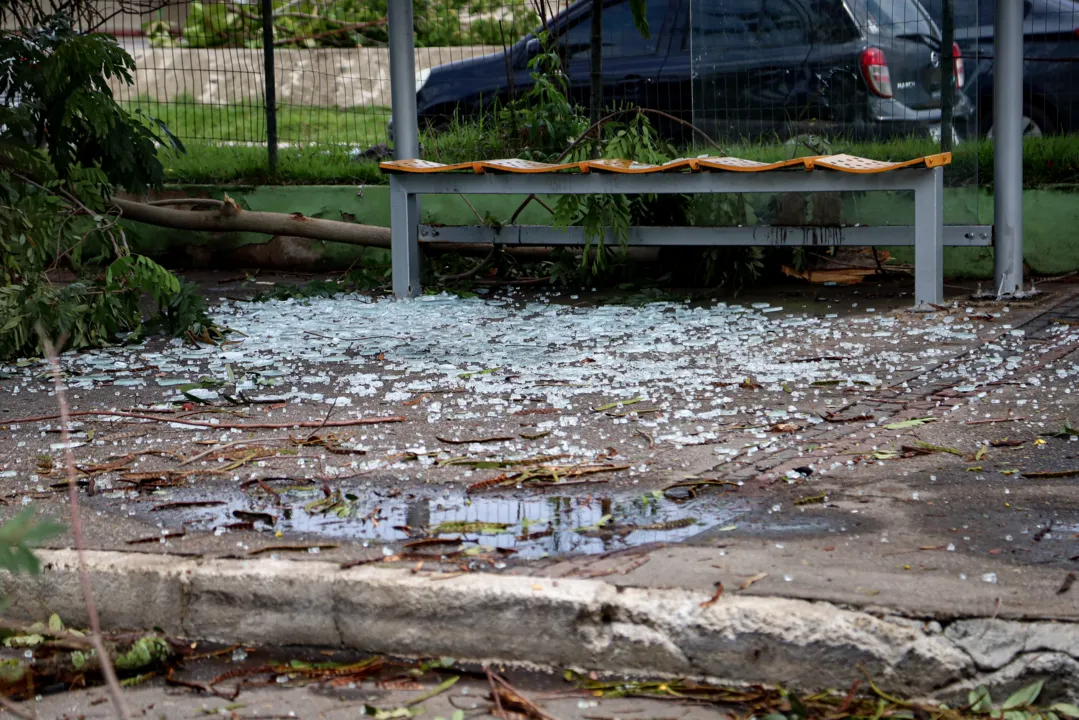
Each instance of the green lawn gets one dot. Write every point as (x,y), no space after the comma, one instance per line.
(214,164)
(246,123)
(225,144)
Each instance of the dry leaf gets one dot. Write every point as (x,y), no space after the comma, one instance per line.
(715,598)
(752,579)
(840,276)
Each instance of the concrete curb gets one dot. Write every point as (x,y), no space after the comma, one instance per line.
(551,623)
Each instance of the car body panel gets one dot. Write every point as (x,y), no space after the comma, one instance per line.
(800,73)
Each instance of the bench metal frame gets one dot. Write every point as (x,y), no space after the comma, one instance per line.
(928,229)
(928,234)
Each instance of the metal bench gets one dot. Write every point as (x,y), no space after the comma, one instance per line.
(411,178)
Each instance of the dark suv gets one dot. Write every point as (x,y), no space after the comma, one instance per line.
(734,68)
(1051,67)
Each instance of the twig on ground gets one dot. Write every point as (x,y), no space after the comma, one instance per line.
(494,695)
(472,271)
(325,420)
(107,669)
(992,421)
(533,709)
(225,446)
(217,426)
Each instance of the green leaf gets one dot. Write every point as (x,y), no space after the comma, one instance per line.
(55,623)
(17,534)
(1024,697)
(438,690)
(24,640)
(798,710)
(1068,709)
(143,653)
(979,700)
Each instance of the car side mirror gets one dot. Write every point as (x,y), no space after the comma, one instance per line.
(532,48)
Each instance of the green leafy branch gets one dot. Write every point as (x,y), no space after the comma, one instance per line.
(1019,705)
(63,148)
(17,538)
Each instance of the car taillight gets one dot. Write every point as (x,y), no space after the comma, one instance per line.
(876,73)
(960,70)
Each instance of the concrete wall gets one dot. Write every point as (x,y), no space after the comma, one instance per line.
(344,78)
(1050,221)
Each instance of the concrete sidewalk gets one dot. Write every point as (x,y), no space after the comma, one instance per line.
(887,489)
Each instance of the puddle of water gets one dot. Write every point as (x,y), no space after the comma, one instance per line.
(534,527)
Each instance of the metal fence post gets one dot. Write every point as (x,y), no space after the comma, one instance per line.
(406,140)
(270,85)
(947,76)
(1008,146)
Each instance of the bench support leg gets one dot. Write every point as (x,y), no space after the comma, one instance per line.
(405,248)
(929,238)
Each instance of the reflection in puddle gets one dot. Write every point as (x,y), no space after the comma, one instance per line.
(533,527)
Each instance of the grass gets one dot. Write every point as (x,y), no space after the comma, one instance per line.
(210,164)
(246,123)
(328,134)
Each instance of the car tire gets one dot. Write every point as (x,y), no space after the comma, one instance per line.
(1036,123)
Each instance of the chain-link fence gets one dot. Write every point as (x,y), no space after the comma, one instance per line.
(203,69)
(820,75)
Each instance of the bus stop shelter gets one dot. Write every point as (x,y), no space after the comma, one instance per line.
(1005,235)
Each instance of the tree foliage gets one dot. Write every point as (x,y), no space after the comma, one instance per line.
(65,144)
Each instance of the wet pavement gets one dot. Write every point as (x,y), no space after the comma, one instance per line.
(532,527)
(810,431)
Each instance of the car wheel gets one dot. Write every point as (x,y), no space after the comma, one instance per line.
(1035,123)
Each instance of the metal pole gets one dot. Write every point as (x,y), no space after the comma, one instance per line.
(270,85)
(1008,146)
(404,206)
(929,239)
(406,133)
(595,93)
(947,75)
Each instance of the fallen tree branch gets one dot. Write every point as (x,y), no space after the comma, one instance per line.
(230,218)
(196,423)
(186,201)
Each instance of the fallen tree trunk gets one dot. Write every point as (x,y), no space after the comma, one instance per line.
(227,216)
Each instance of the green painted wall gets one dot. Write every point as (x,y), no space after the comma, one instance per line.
(1050,227)
(1051,220)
